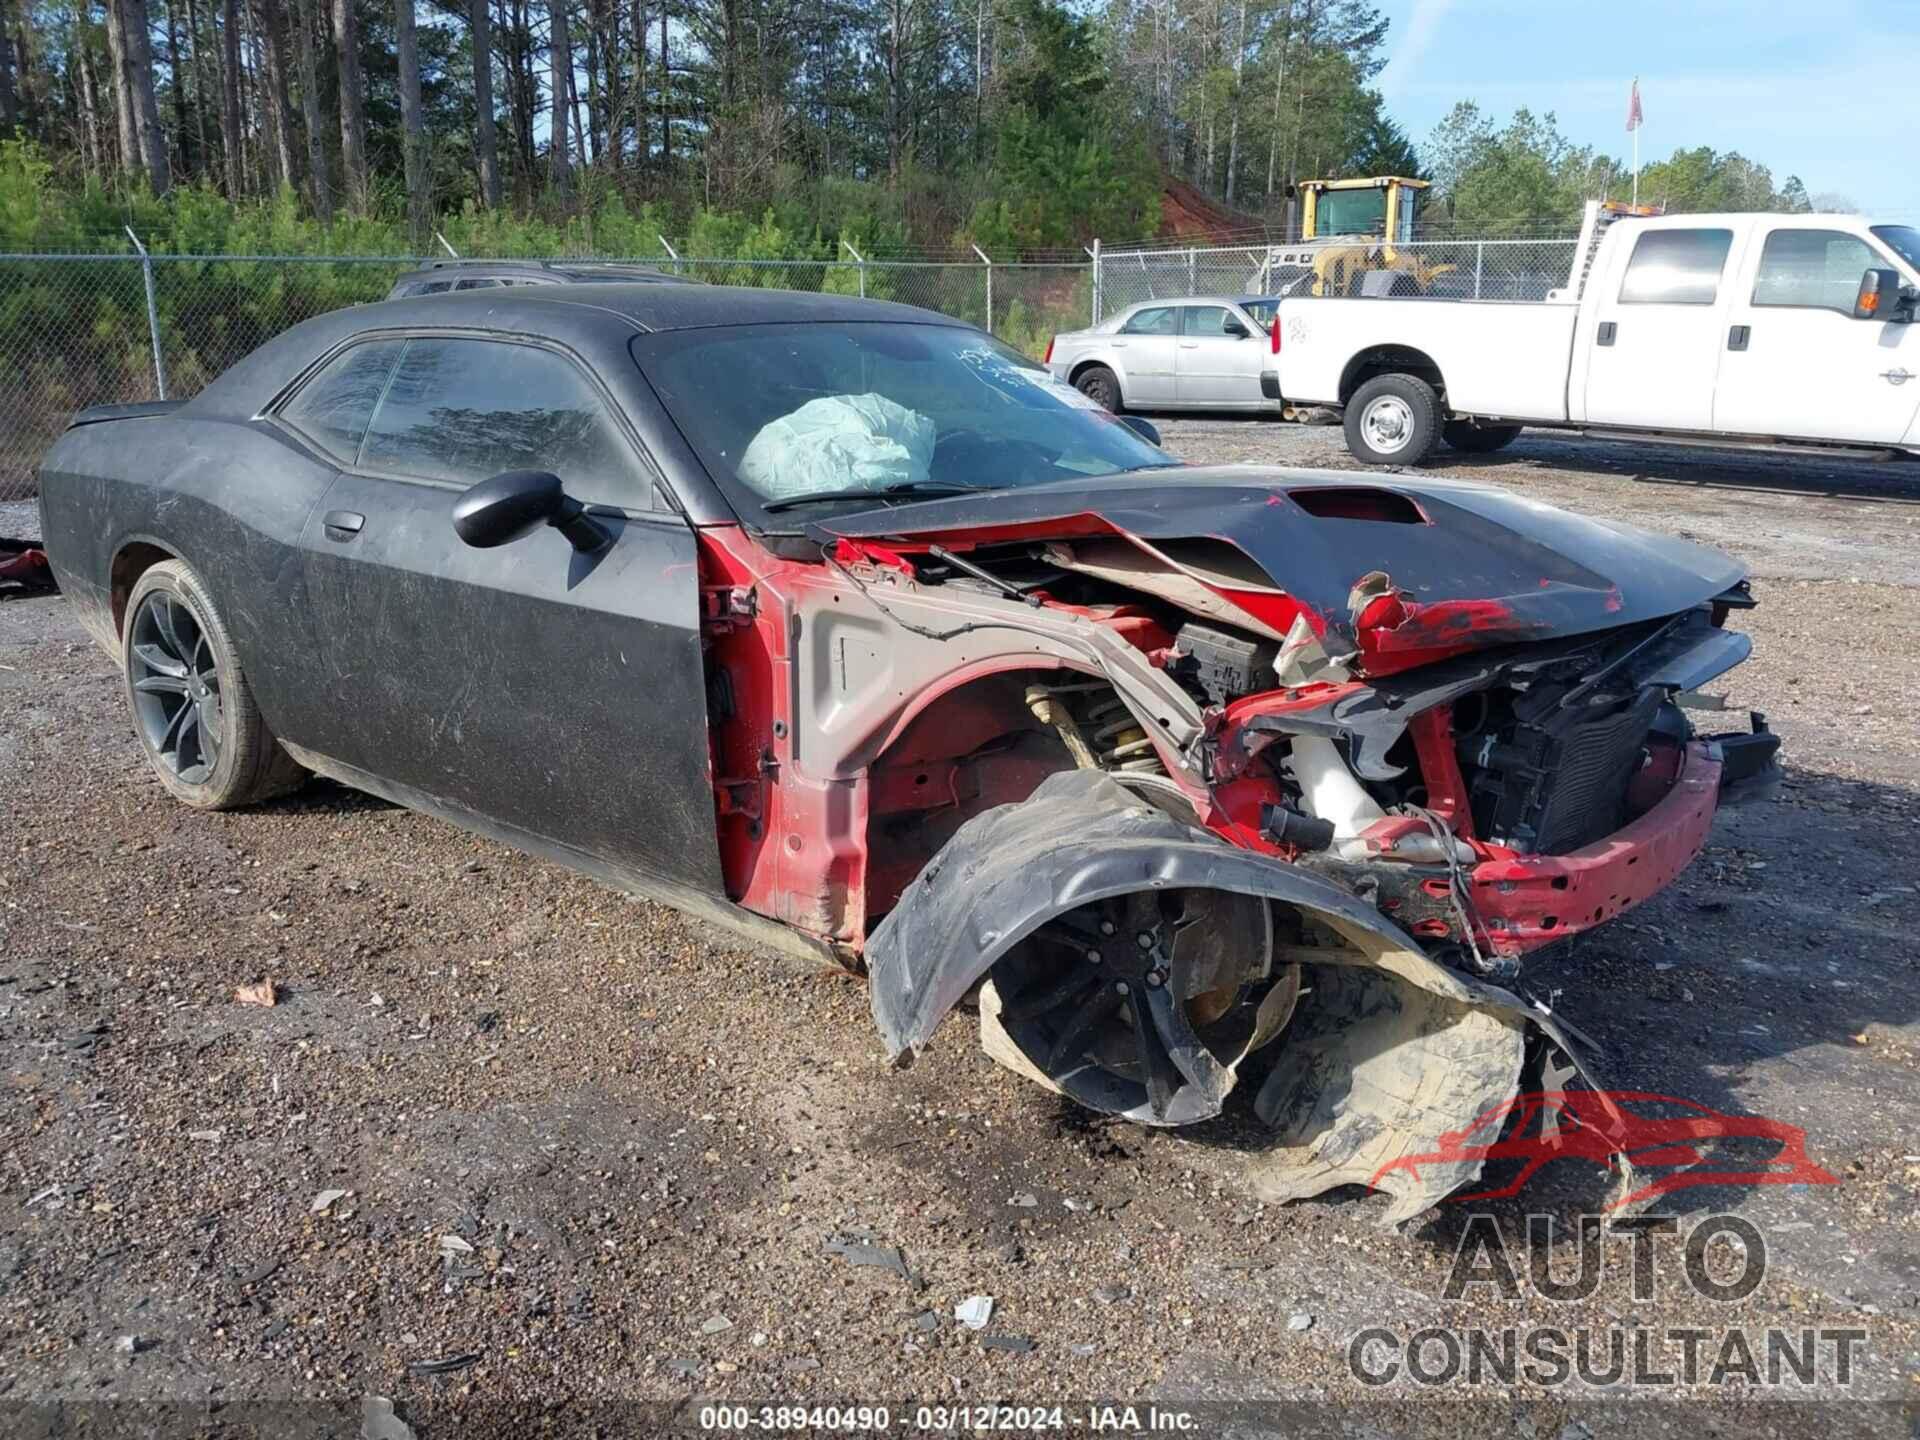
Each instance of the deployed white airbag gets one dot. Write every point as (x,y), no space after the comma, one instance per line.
(839,442)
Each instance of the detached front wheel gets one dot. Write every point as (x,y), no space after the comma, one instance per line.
(192,707)
(1393,420)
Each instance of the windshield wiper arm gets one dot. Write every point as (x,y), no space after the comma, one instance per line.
(931,489)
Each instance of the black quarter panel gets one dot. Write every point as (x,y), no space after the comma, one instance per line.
(229,499)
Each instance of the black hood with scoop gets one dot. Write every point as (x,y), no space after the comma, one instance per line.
(1474,565)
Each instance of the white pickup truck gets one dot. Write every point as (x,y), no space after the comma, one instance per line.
(1786,332)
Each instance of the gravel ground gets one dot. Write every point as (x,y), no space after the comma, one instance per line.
(591,1153)
(19,518)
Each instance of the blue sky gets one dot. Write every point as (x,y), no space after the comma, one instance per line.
(1829,91)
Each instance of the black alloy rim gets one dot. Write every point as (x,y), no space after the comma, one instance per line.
(176,687)
(1120,964)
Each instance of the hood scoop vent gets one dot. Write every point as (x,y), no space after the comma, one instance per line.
(1355,502)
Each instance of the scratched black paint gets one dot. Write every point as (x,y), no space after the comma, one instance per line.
(552,696)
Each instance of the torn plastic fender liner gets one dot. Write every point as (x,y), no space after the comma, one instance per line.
(1080,837)
(1396,1051)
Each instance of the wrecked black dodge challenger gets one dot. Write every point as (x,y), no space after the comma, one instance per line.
(844,624)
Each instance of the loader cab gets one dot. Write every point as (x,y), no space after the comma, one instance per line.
(1386,207)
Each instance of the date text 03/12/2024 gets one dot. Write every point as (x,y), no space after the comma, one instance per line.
(946,1419)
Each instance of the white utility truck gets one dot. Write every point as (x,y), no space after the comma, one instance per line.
(1786,332)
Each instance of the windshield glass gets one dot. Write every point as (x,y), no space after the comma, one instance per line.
(1903,240)
(1351,212)
(1261,310)
(858,413)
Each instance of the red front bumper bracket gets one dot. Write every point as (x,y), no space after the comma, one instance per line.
(1528,900)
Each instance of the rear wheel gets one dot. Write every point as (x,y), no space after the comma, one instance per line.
(1100,385)
(1393,420)
(1471,439)
(192,707)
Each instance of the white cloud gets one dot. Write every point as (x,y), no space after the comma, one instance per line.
(1421,26)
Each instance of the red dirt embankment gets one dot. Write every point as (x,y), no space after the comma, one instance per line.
(1189,213)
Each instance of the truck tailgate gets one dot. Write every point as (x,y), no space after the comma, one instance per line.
(1499,358)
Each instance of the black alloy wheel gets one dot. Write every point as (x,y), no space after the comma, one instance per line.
(190,700)
(1147,989)
(177,688)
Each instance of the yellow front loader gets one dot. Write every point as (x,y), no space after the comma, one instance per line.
(1350,229)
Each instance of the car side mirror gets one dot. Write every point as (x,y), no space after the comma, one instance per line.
(518,502)
(1878,296)
(1235,330)
(1145,429)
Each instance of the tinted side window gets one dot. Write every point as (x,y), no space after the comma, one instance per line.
(1819,268)
(332,408)
(1160,321)
(465,410)
(479,284)
(1676,267)
(1206,320)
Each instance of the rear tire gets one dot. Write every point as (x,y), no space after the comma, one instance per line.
(1471,439)
(192,708)
(1102,386)
(1393,420)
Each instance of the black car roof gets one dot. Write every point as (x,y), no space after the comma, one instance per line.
(556,271)
(687,307)
(594,320)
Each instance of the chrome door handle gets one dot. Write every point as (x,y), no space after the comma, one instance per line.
(1189,344)
(1897,377)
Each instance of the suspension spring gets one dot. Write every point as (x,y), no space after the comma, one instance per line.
(1116,737)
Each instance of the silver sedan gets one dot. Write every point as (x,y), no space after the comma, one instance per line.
(1198,352)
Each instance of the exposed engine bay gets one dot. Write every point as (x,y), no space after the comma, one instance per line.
(1172,822)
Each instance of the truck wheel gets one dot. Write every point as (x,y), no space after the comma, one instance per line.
(192,707)
(1393,420)
(1465,436)
(1100,385)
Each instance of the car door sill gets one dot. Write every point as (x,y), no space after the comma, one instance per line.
(793,946)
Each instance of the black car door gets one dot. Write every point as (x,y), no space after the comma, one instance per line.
(558,694)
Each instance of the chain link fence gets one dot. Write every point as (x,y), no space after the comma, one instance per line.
(80,330)
(86,330)
(1020,303)
(1492,269)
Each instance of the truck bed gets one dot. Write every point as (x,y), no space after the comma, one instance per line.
(1497,357)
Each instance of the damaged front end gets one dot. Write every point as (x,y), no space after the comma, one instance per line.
(1304,833)
(1140,962)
